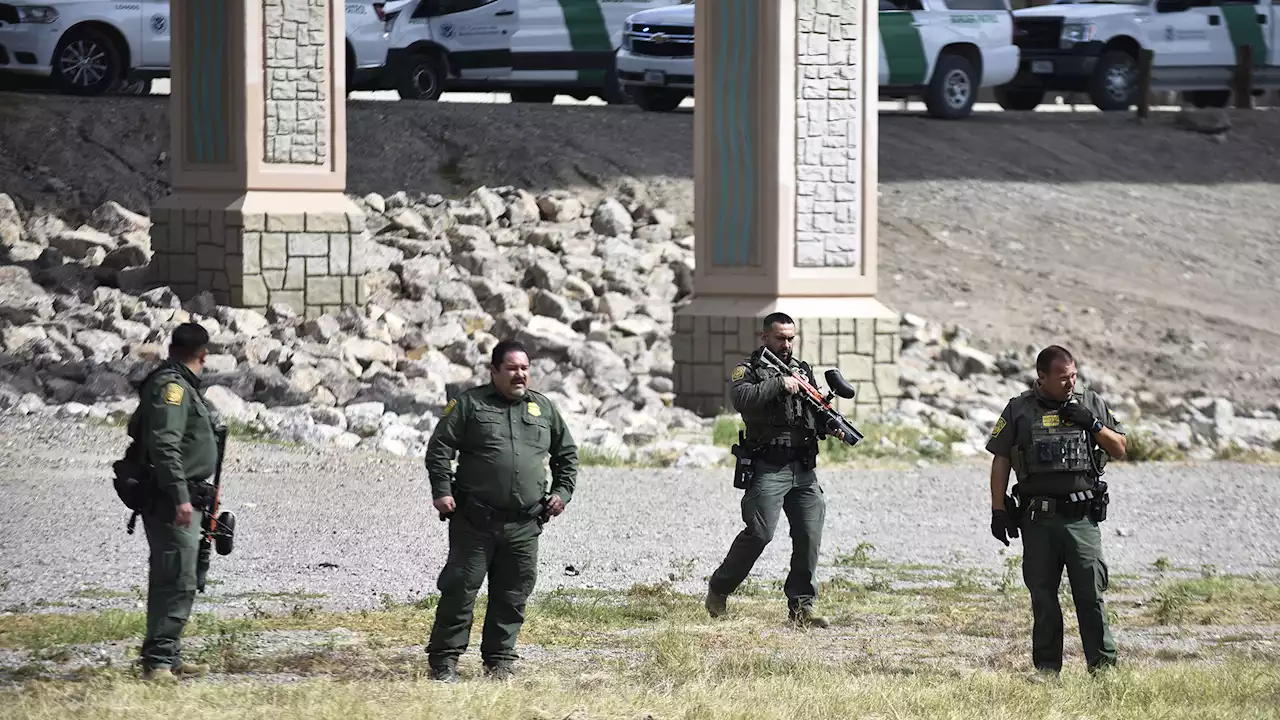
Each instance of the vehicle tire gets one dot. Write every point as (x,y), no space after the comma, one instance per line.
(421,78)
(544,97)
(953,88)
(658,99)
(1114,85)
(86,62)
(613,92)
(1019,100)
(1208,98)
(135,87)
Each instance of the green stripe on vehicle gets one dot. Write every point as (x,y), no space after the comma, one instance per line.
(1242,23)
(903,48)
(587,31)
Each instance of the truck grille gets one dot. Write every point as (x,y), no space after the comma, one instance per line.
(1037,33)
(670,41)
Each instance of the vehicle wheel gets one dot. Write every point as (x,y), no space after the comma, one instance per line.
(613,92)
(544,97)
(136,87)
(658,100)
(1019,100)
(953,89)
(421,78)
(1208,98)
(86,62)
(1114,85)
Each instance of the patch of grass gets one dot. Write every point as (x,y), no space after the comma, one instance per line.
(1216,600)
(1143,446)
(724,432)
(1234,452)
(591,456)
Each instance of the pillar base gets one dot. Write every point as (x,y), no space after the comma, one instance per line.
(859,336)
(262,247)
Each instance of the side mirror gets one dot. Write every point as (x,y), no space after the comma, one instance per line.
(839,385)
(1172,6)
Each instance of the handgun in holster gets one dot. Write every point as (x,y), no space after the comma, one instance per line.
(1101,498)
(744,469)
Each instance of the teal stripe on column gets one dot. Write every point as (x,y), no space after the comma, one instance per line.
(733,36)
(206,30)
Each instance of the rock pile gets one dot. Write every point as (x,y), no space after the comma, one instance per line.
(591,288)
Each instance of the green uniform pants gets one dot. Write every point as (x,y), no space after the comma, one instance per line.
(171,584)
(1049,544)
(775,489)
(508,554)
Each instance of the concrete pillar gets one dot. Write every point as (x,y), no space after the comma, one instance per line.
(785,148)
(258,213)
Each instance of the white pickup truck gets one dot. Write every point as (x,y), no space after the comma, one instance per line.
(941,50)
(87,47)
(1092,46)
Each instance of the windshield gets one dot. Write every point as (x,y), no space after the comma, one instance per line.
(1101,2)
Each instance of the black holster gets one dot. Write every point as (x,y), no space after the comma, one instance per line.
(1101,499)
(744,469)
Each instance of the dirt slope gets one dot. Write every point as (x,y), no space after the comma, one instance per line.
(1150,249)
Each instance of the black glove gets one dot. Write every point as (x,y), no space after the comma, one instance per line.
(1000,526)
(1077,414)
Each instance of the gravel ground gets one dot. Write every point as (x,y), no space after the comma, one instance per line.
(352,527)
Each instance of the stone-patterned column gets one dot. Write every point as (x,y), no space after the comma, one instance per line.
(785,163)
(258,214)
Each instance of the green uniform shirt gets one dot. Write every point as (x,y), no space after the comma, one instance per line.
(502,447)
(1030,410)
(767,410)
(178,431)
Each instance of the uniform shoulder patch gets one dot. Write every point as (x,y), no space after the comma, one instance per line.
(172,394)
(739,372)
(448,407)
(995,431)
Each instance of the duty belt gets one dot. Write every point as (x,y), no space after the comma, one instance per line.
(1074,504)
(483,514)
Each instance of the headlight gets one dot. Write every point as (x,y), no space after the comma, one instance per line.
(1072,34)
(38,14)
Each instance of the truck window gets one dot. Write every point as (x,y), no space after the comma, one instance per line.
(436,8)
(900,5)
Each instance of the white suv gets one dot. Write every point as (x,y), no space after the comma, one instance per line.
(87,47)
(655,62)
(941,50)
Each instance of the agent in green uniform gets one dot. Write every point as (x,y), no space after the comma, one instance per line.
(181,448)
(1050,436)
(502,433)
(784,434)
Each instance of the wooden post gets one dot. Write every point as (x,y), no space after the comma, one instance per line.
(1242,85)
(1146,58)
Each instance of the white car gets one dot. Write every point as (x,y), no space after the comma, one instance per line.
(1092,46)
(87,47)
(943,50)
(533,49)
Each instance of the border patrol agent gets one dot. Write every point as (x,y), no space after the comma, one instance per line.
(1050,436)
(782,437)
(181,448)
(497,503)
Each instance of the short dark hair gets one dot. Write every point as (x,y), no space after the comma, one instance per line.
(1049,356)
(779,318)
(502,349)
(188,340)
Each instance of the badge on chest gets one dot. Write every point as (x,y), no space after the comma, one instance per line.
(534,410)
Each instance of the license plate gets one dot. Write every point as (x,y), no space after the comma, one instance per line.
(1042,67)
(655,77)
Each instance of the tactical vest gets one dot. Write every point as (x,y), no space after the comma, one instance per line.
(1051,457)
(786,415)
